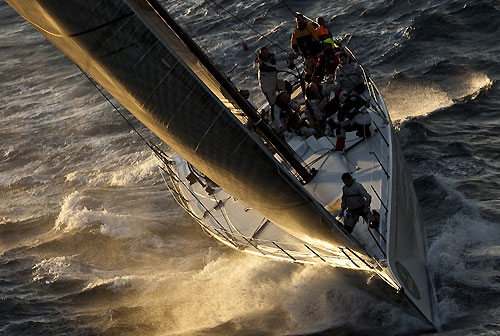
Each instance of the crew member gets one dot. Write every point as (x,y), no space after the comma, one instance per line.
(356,200)
(321,31)
(269,82)
(281,111)
(327,61)
(304,37)
(319,105)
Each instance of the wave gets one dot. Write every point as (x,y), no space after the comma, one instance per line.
(119,257)
(406,98)
(464,238)
(79,211)
(411,97)
(236,292)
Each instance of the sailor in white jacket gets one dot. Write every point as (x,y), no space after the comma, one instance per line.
(356,200)
(268,74)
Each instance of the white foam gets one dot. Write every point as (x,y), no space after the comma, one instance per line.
(76,176)
(74,215)
(115,284)
(52,269)
(78,211)
(243,289)
(406,99)
(135,172)
(471,85)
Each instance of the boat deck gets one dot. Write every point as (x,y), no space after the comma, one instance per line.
(238,226)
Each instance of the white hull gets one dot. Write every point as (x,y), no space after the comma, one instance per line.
(369,160)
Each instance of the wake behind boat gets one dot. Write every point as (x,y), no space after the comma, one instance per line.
(246,186)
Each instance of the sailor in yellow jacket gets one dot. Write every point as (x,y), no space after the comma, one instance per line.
(304,37)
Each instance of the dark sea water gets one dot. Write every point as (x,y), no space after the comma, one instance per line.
(91,242)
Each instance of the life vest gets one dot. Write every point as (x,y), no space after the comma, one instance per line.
(330,41)
(322,33)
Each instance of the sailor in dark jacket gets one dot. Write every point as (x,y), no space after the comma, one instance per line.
(356,200)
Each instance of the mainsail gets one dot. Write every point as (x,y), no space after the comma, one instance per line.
(130,49)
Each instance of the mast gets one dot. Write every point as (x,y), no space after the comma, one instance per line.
(283,149)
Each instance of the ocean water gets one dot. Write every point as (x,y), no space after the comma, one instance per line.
(91,242)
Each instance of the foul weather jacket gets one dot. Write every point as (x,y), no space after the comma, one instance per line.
(304,39)
(355,196)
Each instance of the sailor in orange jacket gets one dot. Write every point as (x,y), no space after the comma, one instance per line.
(321,31)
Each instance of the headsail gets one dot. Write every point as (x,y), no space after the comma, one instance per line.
(407,254)
(128,48)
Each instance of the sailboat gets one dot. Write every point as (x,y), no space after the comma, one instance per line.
(244,185)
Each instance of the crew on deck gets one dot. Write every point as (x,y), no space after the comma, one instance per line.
(297,126)
(328,61)
(322,32)
(319,105)
(349,82)
(333,84)
(304,37)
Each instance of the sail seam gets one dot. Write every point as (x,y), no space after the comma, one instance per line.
(208,130)
(179,108)
(158,85)
(102,25)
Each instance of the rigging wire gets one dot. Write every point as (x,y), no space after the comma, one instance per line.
(156,150)
(291,11)
(262,36)
(245,47)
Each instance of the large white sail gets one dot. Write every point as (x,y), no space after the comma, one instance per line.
(128,48)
